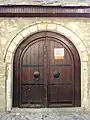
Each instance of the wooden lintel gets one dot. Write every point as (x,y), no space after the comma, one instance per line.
(44,11)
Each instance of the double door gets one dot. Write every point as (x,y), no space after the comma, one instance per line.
(46,74)
(46,77)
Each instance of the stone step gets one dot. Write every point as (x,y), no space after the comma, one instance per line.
(45,114)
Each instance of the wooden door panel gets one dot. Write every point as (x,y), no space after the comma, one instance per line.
(33,55)
(63,66)
(59,94)
(60,89)
(32,89)
(28,77)
(65,75)
(32,94)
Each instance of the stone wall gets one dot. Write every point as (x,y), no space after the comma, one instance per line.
(46,2)
(9,27)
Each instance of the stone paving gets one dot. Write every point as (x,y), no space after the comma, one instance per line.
(44,114)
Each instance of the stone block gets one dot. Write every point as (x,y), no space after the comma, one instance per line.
(9,57)
(88,49)
(51,26)
(84,56)
(42,26)
(75,39)
(12,47)
(85,66)
(82,47)
(25,32)
(17,39)
(65,31)
(33,28)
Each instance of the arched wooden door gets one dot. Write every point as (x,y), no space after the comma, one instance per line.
(46,72)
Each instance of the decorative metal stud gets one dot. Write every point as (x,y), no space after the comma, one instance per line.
(56,74)
(36,74)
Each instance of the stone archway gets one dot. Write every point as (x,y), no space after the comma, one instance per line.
(51,26)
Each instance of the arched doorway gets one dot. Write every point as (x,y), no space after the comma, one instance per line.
(46,72)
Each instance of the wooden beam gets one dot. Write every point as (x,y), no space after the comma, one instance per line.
(44,11)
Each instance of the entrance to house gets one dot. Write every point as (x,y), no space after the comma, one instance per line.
(46,72)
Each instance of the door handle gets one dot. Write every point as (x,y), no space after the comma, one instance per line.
(56,74)
(36,75)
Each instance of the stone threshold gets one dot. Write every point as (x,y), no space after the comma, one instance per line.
(63,111)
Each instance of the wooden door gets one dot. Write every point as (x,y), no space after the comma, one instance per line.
(42,79)
(61,76)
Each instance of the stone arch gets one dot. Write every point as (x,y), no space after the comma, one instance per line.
(51,26)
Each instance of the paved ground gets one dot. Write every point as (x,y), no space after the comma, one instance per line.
(51,114)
